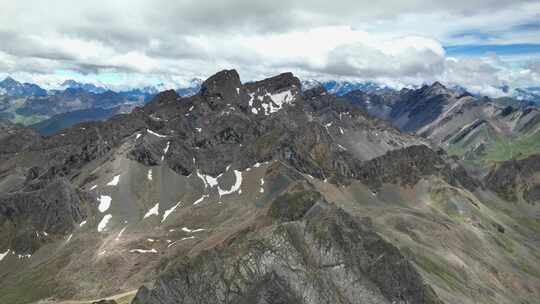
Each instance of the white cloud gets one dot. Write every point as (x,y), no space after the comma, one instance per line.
(137,42)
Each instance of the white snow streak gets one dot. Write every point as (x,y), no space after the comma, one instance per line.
(166,150)
(3,255)
(103,223)
(200,199)
(143,251)
(155,134)
(186,229)
(169,211)
(114,181)
(93,187)
(153,211)
(120,233)
(69,238)
(149,175)
(82,223)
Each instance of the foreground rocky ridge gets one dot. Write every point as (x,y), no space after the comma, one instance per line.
(321,256)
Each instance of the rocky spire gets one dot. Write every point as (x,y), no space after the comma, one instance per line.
(223,85)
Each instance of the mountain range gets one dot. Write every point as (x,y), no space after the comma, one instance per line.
(268,192)
(479,130)
(29,104)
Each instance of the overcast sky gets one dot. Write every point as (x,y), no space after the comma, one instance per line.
(479,44)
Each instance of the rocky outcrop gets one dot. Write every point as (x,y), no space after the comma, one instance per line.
(322,256)
(407,166)
(29,219)
(516,178)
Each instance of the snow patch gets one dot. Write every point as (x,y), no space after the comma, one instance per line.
(82,223)
(210,180)
(235,187)
(166,150)
(138,135)
(169,211)
(104,203)
(198,130)
(149,175)
(69,238)
(143,251)
(120,234)
(186,229)
(114,181)
(103,223)
(155,134)
(3,255)
(200,199)
(93,187)
(182,239)
(153,211)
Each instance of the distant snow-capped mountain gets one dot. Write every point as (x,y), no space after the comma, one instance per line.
(192,88)
(12,87)
(88,87)
(340,88)
(527,94)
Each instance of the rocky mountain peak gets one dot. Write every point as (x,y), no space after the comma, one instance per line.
(8,81)
(435,89)
(225,84)
(279,82)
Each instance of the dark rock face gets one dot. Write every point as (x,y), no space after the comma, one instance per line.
(292,206)
(511,177)
(233,123)
(408,165)
(325,256)
(409,110)
(224,85)
(24,216)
